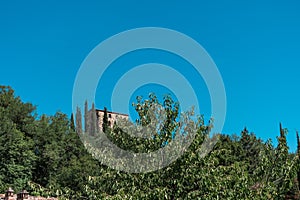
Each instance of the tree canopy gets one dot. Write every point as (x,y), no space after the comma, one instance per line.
(44,155)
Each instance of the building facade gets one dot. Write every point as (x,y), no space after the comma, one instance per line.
(111,116)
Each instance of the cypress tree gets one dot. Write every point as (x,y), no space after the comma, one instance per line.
(282,143)
(86,117)
(72,123)
(105,121)
(93,121)
(78,121)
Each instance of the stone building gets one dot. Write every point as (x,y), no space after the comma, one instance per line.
(111,116)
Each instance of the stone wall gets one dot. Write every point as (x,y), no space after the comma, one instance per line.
(111,116)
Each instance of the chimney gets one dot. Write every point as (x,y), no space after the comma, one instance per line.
(9,193)
(22,195)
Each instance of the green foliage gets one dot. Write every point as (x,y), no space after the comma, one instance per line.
(16,147)
(46,156)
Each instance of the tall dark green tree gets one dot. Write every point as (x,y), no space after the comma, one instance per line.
(105,124)
(93,121)
(86,117)
(72,125)
(282,147)
(78,121)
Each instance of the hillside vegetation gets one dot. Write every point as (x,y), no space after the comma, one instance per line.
(44,155)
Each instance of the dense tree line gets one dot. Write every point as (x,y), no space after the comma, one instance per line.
(44,155)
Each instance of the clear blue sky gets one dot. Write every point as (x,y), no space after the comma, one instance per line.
(255,45)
